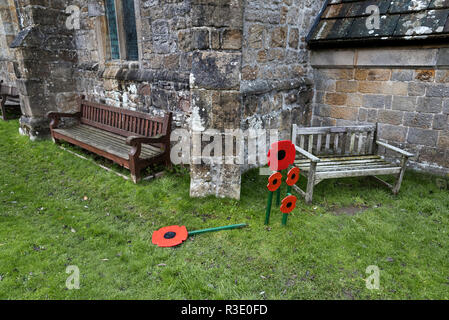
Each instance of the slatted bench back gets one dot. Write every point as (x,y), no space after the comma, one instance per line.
(9,91)
(322,141)
(121,121)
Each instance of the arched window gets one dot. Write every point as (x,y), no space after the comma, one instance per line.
(122,30)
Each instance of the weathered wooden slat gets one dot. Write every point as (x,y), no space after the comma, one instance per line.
(114,142)
(358,173)
(350,167)
(310,144)
(336,137)
(122,110)
(342,158)
(369,142)
(342,163)
(325,130)
(361,139)
(352,143)
(117,147)
(108,135)
(318,143)
(328,141)
(301,141)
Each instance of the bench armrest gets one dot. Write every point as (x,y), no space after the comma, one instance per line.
(135,140)
(395,149)
(306,154)
(57,115)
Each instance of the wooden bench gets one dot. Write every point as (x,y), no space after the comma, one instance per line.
(132,139)
(10,100)
(339,152)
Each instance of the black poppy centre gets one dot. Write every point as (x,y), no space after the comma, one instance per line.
(281,155)
(170,235)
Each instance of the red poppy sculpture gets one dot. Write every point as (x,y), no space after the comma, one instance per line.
(170,236)
(288,204)
(274,181)
(175,235)
(281,155)
(292,176)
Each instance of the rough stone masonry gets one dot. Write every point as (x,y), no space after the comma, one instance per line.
(217,64)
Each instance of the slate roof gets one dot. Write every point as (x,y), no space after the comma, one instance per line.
(351,23)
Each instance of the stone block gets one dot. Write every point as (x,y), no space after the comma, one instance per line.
(390,116)
(279,37)
(354,100)
(378,87)
(442,76)
(332,58)
(426,75)
(336,74)
(293,38)
(363,115)
(346,86)
(374,101)
(250,72)
(397,57)
(232,39)
(225,112)
(402,75)
(437,90)
(392,132)
(322,110)
(378,74)
(346,113)
(397,88)
(446,106)
(255,36)
(216,70)
(431,105)
(417,119)
(404,103)
(443,139)
(440,122)
(416,89)
(336,99)
(422,137)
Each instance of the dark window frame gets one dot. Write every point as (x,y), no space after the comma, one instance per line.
(122,30)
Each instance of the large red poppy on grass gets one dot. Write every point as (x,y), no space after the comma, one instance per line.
(170,236)
(292,176)
(281,155)
(274,181)
(288,204)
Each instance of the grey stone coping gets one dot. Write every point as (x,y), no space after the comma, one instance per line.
(143,75)
(264,86)
(382,57)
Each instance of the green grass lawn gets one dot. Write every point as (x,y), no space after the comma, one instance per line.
(58,210)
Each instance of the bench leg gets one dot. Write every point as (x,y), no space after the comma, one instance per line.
(3,108)
(310,183)
(398,183)
(135,176)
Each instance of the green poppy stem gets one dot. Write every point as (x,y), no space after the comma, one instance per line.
(285,215)
(278,194)
(267,214)
(284,219)
(234,226)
